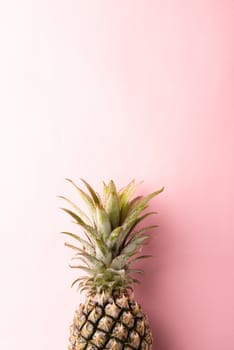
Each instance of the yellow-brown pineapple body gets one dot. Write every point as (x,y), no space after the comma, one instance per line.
(110,322)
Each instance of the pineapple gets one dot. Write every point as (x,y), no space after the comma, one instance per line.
(110,318)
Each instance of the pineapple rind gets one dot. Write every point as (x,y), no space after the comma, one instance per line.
(118,324)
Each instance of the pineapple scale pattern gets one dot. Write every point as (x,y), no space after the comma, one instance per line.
(115,324)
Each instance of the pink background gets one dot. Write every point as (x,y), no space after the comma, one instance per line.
(118,89)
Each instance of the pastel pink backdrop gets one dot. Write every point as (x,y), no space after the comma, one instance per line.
(101,90)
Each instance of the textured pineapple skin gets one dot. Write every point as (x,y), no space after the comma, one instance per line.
(113,322)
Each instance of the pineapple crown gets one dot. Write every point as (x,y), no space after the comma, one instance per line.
(112,239)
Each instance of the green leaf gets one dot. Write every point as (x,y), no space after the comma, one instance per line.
(72,247)
(128,228)
(136,281)
(144,229)
(75,216)
(86,198)
(86,283)
(90,259)
(140,271)
(88,229)
(112,205)
(97,248)
(139,219)
(133,261)
(126,193)
(119,262)
(92,192)
(84,289)
(114,236)
(83,260)
(140,206)
(89,248)
(81,214)
(103,223)
(128,207)
(77,280)
(133,246)
(133,235)
(102,252)
(147,198)
(133,218)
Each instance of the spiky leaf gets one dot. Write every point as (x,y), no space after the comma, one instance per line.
(103,223)
(92,192)
(88,247)
(86,198)
(112,205)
